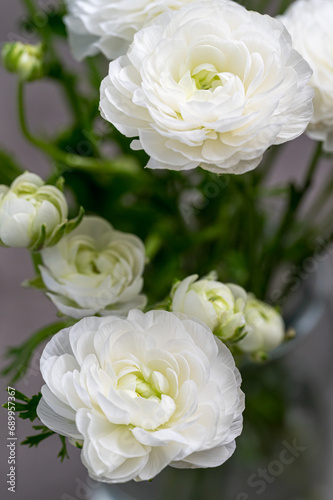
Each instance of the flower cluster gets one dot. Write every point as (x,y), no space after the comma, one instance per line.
(199,84)
(230,312)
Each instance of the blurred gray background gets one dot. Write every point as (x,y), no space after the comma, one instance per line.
(40,475)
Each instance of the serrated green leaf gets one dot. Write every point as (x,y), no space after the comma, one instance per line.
(63,451)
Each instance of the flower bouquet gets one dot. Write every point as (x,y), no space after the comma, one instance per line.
(160,235)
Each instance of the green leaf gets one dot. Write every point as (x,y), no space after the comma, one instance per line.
(45,433)
(60,183)
(63,451)
(57,235)
(9,169)
(36,282)
(41,239)
(27,409)
(37,438)
(73,223)
(20,356)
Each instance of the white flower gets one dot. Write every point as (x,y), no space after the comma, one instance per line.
(209,85)
(30,211)
(264,326)
(95,270)
(142,393)
(310,25)
(108,26)
(212,302)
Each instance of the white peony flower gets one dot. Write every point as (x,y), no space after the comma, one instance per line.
(142,393)
(264,326)
(209,85)
(212,302)
(108,26)
(310,25)
(30,212)
(95,270)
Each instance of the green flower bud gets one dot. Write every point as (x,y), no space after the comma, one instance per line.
(25,60)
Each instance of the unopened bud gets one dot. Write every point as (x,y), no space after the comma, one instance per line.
(25,60)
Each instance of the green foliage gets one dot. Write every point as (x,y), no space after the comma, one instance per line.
(27,410)
(9,169)
(44,433)
(19,357)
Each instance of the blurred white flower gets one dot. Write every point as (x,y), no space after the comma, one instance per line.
(310,24)
(212,302)
(209,85)
(31,212)
(264,326)
(142,393)
(95,270)
(108,26)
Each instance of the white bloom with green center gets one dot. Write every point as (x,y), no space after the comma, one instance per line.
(142,392)
(95,270)
(108,26)
(264,325)
(209,85)
(212,302)
(30,211)
(310,24)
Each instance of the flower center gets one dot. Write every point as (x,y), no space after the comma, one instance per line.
(146,389)
(144,383)
(206,80)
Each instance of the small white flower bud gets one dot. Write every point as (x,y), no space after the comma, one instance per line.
(30,212)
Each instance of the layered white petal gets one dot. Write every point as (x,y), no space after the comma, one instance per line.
(310,24)
(209,85)
(108,26)
(94,270)
(142,393)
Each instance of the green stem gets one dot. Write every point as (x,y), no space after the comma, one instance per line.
(251,229)
(126,165)
(20,356)
(66,79)
(36,261)
(296,195)
(284,4)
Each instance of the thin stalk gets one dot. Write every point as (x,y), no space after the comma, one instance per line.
(123,165)
(251,229)
(275,250)
(284,4)
(324,195)
(66,79)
